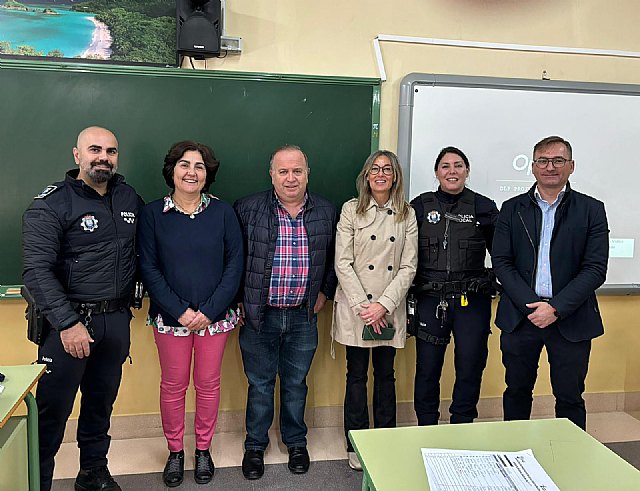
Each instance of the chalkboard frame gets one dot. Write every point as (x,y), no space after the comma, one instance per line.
(301,83)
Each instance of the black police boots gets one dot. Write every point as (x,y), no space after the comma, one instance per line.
(96,479)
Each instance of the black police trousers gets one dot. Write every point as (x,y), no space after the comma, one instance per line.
(98,377)
(470,326)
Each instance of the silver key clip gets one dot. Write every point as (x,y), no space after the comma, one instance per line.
(441,309)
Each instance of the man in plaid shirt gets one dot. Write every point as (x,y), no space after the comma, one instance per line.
(289,236)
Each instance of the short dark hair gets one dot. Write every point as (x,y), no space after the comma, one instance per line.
(550,140)
(176,152)
(447,150)
(288,147)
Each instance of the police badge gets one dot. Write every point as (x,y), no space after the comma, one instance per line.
(89,223)
(433,216)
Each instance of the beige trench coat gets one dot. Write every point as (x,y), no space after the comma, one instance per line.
(375,261)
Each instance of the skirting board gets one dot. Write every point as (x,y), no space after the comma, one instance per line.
(150,426)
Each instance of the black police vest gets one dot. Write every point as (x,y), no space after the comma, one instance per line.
(449,239)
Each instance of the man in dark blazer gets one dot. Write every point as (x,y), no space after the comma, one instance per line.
(550,252)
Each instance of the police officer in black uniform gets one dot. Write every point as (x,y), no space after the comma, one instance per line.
(79,265)
(453,288)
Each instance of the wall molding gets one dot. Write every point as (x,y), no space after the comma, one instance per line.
(150,426)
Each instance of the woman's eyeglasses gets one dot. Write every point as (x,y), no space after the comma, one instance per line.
(387,170)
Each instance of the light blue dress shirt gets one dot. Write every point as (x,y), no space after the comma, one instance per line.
(544,285)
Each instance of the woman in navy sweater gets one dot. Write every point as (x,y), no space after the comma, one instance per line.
(191,258)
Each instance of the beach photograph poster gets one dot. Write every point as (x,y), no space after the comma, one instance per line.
(106,31)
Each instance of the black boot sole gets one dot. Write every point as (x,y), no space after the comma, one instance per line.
(206,480)
(173,484)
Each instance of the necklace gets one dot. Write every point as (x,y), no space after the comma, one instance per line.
(184,209)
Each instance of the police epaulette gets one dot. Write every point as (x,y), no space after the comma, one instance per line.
(47,191)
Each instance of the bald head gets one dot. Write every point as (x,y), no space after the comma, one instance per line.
(96,154)
(91,132)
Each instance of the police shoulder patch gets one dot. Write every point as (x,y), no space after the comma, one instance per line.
(46,191)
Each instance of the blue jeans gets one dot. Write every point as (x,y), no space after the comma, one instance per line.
(284,346)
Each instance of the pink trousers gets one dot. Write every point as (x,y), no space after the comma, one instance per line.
(175,364)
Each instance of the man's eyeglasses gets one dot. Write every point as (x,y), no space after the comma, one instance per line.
(556,161)
(387,170)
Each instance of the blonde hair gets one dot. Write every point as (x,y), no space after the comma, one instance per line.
(396,192)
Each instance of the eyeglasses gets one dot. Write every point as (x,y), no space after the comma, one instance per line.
(387,170)
(556,161)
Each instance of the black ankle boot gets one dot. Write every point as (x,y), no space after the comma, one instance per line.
(173,473)
(204,468)
(96,478)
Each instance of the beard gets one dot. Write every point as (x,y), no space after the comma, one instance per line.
(100,176)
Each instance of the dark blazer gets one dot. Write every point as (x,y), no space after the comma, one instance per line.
(579,255)
(259,223)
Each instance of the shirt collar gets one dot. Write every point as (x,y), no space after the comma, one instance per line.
(539,198)
(278,203)
(169,204)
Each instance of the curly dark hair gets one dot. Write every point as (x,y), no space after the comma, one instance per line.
(176,152)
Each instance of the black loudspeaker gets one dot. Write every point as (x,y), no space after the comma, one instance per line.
(198,27)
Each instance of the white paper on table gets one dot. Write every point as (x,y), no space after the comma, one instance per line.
(449,470)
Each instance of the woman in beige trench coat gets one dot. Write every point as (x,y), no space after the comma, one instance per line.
(376,258)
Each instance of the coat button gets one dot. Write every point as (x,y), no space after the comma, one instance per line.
(392,238)
(389,212)
(390,268)
(371,267)
(373,237)
(369,296)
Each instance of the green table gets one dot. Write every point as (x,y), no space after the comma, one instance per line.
(392,460)
(18,384)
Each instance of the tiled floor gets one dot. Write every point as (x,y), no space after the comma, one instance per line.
(146,455)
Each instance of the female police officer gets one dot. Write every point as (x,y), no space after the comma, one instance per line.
(453,288)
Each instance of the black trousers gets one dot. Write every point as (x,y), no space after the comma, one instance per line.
(568,361)
(470,326)
(356,412)
(98,377)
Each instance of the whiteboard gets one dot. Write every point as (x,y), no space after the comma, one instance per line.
(497,121)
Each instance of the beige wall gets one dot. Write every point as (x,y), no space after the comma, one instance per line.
(615,366)
(335,38)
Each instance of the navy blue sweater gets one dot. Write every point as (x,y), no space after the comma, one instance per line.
(187,262)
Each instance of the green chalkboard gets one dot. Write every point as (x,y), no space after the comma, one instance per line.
(243,117)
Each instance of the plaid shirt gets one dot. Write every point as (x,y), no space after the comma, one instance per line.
(290,271)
